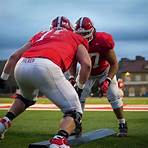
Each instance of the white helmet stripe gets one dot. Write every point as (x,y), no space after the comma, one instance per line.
(81,21)
(59,22)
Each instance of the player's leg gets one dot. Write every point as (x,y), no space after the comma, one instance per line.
(69,103)
(86,91)
(117,105)
(21,102)
(62,93)
(18,106)
(59,90)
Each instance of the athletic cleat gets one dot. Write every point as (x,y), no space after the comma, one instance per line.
(59,142)
(4,125)
(123,130)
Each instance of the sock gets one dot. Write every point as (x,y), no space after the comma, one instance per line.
(121,120)
(63,133)
(10,116)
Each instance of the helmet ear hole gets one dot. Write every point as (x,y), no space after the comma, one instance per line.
(61,22)
(85,27)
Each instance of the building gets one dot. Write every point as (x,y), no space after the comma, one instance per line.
(135,75)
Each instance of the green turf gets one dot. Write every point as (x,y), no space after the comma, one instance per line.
(91,100)
(35,126)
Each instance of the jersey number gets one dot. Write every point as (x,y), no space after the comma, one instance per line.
(94,57)
(45,34)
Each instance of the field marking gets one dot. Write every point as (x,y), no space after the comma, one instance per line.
(88,107)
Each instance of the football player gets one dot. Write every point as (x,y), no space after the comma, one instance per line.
(39,65)
(104,69)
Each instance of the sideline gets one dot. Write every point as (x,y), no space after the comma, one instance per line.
(89,107)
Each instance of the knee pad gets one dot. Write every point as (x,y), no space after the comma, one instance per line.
(115,102)
(76,116)
(24,100)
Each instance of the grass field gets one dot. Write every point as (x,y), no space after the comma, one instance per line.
(35,126)
(91,100)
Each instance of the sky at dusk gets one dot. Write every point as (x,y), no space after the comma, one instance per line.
(126,20)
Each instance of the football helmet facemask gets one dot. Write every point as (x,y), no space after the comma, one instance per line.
(85,27)
(61,22)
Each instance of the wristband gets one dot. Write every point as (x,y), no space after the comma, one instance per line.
(4,76)
(80,85)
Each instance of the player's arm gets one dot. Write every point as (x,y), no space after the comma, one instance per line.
(111,58)
(72,73)
(83,58)
(73,69)
(13,59)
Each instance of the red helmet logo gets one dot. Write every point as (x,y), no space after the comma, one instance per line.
(85,27)
(61,22)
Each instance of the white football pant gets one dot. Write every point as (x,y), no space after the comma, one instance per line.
(38,74)
(113,95)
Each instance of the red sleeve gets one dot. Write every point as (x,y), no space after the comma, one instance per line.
(81,40)
(36,37)
(107,41)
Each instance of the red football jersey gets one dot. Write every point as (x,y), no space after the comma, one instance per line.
(98,47)
(60,46)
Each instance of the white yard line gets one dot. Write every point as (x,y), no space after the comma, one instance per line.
(89,107)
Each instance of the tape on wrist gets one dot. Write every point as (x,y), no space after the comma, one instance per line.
(81,86)
(4,76)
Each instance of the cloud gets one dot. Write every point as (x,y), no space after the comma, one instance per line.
(124,19)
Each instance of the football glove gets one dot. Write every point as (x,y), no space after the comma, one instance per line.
(103,88)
